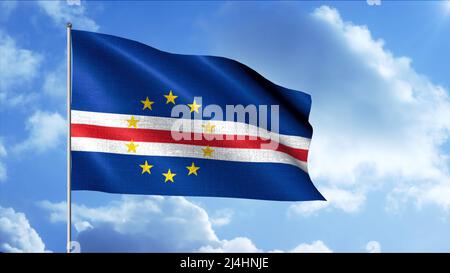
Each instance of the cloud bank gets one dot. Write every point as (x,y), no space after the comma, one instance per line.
(46,130)
(377,122)
(18,67)
(70,11)
(151,224)
(16,234)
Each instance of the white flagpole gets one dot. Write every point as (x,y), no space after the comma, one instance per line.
(69,157)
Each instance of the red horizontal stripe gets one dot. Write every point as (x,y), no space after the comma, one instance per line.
(163,136)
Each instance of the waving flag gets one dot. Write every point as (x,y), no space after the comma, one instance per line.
(128,134)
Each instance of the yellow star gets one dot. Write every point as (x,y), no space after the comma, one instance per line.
(194,106)
(132,147)
(170,98)
(208,127)
(146,168)
(147,103)
(169,176)
(132,122)
(207,151)
(192,169)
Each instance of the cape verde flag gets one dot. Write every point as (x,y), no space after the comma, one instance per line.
(122,137)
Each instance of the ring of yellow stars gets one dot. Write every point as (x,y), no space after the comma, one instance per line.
(209,127)
(146,167)
(132,122)
(132,147)
(207,151)
(170,97)
(192,169)
(194,106)
(169,176)
(147,103)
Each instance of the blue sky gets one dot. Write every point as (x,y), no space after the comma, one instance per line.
(379,78)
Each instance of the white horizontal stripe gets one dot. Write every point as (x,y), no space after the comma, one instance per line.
(182,150)
(163,123)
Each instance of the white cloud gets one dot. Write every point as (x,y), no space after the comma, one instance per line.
(15,100)
(73,2)
(345,200)
(377,122)
(151,224)
(18,67)
(446,6)
(407,116)
(63,12)
(16,234)
(145,223)
(314,247)
(238,244)
(46,130)
(414,111)
(428,193)
(16,62)
(374,2)
(3,153)
(222,217)
(373,247)
(82,226)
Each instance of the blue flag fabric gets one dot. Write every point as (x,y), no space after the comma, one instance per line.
(124,94)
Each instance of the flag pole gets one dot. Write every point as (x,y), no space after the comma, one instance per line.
(69,157)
